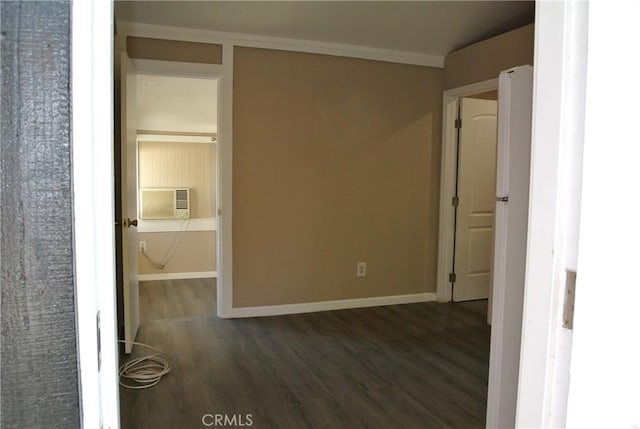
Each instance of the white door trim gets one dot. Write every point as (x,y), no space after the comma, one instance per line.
(448,181)
(554,209)
(93,212)
(224,198)
(224,75)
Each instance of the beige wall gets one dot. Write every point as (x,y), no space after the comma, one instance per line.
(174,50)
(193,165)
(335,161)
(172,165)
(489,95)
(195,252)
(485,60)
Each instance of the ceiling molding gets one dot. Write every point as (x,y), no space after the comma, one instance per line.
(279,43)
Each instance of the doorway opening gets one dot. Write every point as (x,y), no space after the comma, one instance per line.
(483,94)
(494,181)
(176,182)
(474,202)
(168,200)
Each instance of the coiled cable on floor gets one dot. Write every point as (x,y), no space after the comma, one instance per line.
(144,371)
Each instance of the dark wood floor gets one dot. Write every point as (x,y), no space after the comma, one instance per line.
(174,299)
(407,366)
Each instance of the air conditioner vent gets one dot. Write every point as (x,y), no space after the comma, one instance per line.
(182,199)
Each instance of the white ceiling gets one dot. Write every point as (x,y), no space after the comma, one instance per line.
(167,103)
(427,27)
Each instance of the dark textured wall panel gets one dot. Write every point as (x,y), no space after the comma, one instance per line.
(39,360)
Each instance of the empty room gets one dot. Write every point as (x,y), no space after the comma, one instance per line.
(310,278)
(317,214)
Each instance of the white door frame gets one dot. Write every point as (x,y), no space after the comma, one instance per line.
(224,74)
(213,72)
(93,211)
(554,209)
(220,73)
(448,173)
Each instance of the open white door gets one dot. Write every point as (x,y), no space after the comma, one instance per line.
(512,211)
(476,189)
(129,201)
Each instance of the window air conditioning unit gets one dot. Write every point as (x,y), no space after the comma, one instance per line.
(164,203)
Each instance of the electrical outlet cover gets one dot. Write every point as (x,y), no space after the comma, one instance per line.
(361,269)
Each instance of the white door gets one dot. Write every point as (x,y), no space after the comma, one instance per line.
(476,199)
(512,214)
(129,201)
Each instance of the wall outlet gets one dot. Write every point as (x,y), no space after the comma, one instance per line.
(361,269)
(143,246)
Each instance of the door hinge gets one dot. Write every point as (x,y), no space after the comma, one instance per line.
(99,341)
(455,201)
(569,300)
(219,212)
(458,123)
(452,277)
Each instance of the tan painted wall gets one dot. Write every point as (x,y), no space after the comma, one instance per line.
(195,252)
(489,95)
(174,50)
(166,164)
(335,161)
(486,59)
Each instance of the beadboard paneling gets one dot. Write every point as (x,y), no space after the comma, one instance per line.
(172,165)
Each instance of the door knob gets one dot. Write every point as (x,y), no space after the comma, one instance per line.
(502,199)
(128,223)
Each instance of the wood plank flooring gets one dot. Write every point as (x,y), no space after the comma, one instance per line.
(406,366)
(171,299)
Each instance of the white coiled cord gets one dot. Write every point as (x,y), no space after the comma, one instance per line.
(177,239)
(145,371)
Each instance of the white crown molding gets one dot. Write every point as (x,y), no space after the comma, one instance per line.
(280,43)
(309,307)
(176,225)
(177,276)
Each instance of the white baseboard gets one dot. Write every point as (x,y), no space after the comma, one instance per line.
(177,276)
(309,307)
